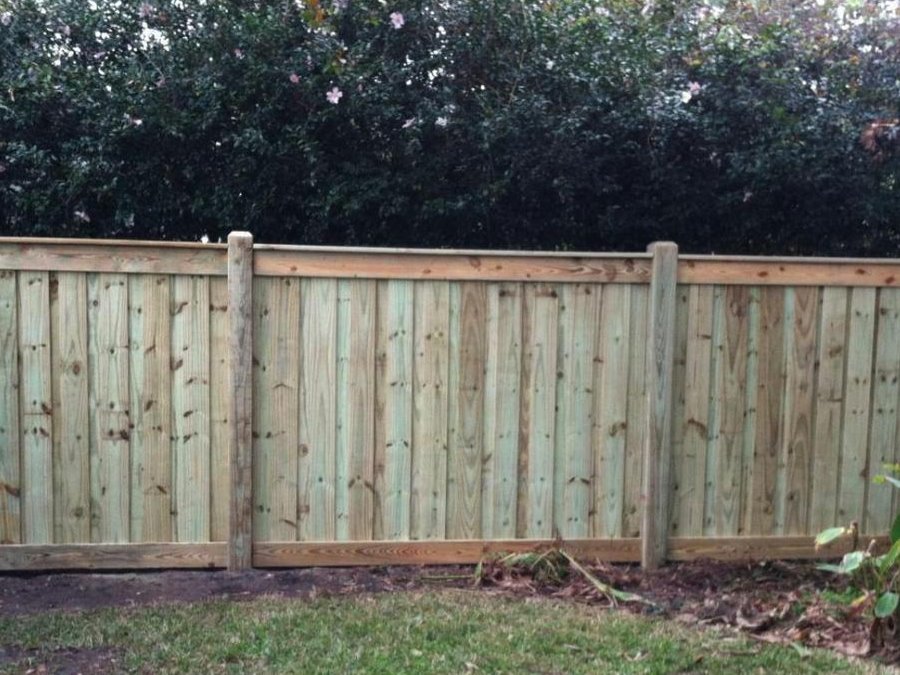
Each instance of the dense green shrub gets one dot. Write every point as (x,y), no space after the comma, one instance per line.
(730,126)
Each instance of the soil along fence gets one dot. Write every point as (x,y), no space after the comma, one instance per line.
(180,405)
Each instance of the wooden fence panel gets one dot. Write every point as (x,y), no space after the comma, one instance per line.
(10,482)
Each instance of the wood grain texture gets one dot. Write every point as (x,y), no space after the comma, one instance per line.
(219,402)
(885,392)
(659,368)
(240,408)
(768,398)
(579,322)
(854,470)
(318,414)
(537,412)
(501,412)
(799,402)
(788,271)
(393,416)
(111,556)
(10,484)
(190,407)
(636,421)
(150,302)
(110,403)
(750,549)
(827,432)
(71,451)
(468,360)
(610,412)
(111,257)
(689,477)
(276,408)
(431,342)
(36,408)
(354,553)
(447,266)
(354,497)
(679,401)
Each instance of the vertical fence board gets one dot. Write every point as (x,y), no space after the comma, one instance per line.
(219,391)
(690,467)
(149,299)
(190,407)
(768,401)
(109,393)
(538,411)
(468,353)
(610,412)
(854,475)
(885,392)
(428,514)
(679,405)
(832,355)
(71,451)
(10,485)
(636,414)
(799,403)
(318,419)
(501,414)
(356,409)
(276,343)
(579,312)
(393,420)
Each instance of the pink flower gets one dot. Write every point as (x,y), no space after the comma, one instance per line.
(334,95)
(397,20)
(294,78)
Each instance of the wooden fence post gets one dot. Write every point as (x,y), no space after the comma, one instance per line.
(659,364)
(240,413)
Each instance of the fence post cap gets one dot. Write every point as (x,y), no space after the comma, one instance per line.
(663,245)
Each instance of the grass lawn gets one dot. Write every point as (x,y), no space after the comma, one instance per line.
(441,632)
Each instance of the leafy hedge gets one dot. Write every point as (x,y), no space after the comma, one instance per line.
(731,126)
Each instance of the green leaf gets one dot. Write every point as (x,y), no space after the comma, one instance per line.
(889,559)
(825,537)
(895,530)
(893,481)
(887,604)
(829,567)
(852,561)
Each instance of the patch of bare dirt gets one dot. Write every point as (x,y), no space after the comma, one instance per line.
(68,661)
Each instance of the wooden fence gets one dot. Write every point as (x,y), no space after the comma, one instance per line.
(180,405)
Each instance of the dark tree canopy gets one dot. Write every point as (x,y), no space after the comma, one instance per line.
(731,126)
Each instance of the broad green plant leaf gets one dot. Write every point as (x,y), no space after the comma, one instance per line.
(889,559)
(895,530)
(887,604)
(825,537)
(852,561)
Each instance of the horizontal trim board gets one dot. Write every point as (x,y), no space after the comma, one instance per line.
(449,267)
(25,557)
(120,257)
(787,272)
(761,548)
(340,554)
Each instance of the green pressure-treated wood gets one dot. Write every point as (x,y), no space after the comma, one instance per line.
(276,408)
(610,412)
(428,514)
(832,356)
(190,407)
(690,467)
(768,399)
(501,412)
(751,386)
(679,401)
(110,404)
(393,418)
(579,320)
(150,303)
(466,378)
(36,408)
(355,440)
(10,485)
(71,449)
(537,417)
(854,470)
(318,416)
(636,416)
(796,453)
(885,392)
(219,401)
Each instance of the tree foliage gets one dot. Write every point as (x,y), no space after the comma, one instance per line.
(766,126)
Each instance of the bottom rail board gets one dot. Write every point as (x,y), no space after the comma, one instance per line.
(24,557)
(340,554)
(763,548)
